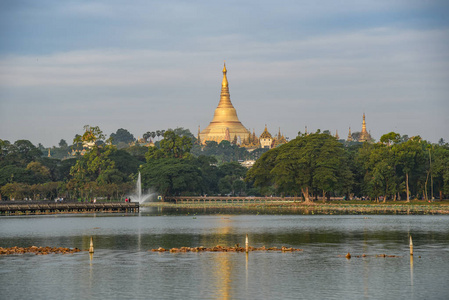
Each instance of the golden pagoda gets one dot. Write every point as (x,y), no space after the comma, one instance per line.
(349,139)
(280,138)
(266,139)
(364,135)
(225,125)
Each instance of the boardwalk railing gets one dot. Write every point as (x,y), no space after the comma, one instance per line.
(11,208)
(234,200)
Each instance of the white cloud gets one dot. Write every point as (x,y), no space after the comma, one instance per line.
(324,81)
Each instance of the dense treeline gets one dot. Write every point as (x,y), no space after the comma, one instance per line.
(317,164)
(110,170)
(311,166)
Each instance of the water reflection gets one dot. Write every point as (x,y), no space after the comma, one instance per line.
(222,271)
(123,266)
(411,270)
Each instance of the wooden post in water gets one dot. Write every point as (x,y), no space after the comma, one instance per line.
(246,244)
(91,248)
(411,246)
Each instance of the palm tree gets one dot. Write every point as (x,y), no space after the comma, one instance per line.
(145,136)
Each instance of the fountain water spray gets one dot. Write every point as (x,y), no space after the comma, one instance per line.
(138,196)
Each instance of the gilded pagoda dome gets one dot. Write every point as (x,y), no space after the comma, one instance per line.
(225,125)
(265,134)
(266,139)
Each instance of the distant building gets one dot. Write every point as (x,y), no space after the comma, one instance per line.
(265,139)
(349,139)
(248,163)
(364,135)
(143,142)
(225,125)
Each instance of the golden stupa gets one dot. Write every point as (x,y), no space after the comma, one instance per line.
(225,124)
(364,135)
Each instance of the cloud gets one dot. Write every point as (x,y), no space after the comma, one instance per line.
(291,64)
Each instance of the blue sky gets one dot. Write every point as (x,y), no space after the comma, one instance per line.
(148,65)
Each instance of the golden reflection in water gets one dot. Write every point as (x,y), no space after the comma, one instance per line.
(246,270)
(222,272)
(91,269)
(366,281)
(411,270)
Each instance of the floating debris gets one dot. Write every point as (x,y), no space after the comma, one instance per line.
(37,250)
(348,256)
(224,249)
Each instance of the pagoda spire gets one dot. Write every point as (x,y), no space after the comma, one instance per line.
(225,98)
(225,79)
(364,135)
(364,124)
(225,116)
(349,135)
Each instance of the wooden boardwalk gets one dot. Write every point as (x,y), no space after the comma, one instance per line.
(11,208)
(234,200)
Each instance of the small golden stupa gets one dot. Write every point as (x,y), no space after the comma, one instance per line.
(364,135)
(225,125)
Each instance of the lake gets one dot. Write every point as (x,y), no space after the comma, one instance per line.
(122,266)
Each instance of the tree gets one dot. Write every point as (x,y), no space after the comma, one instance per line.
(307,163)
(137,152)
(146,136)
(15,174)
(180,131)
(26,151)
(122,136)
(63,144)
(172,146)
(381,172)
(91,135)
(14,191)
(390,138)
(231,175)
(260,174)
(125,162)
(95,167)
(41,172)
(355,136)
(440,168)
(411,159)
(171,176)
(209,172)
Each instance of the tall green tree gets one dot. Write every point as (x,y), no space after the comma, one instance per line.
(172,146)
(121,136)
(411,159)
(440,169)
(309,162)
(172,176)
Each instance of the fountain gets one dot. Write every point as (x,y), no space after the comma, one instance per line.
(138,196)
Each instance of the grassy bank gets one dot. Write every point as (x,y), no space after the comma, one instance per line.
(336,207)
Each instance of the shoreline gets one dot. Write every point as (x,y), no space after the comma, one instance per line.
(441,208)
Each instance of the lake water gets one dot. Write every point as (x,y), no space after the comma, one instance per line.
(123,268)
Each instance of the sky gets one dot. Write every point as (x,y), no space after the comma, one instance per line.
(148,65)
